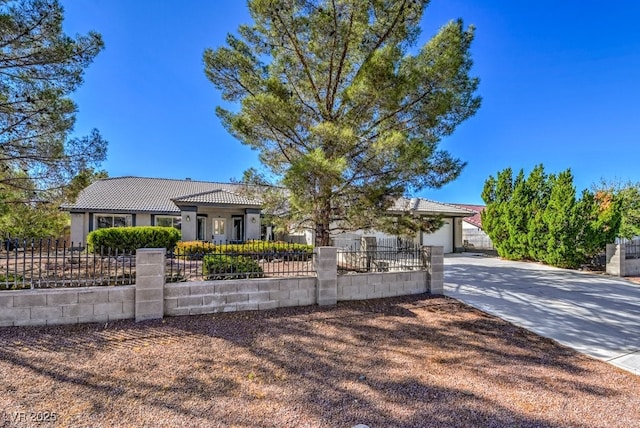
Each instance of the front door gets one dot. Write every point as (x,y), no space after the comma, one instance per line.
(201,229)
(219,233)
(238,229)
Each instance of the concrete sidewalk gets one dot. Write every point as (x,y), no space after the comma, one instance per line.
(594,314)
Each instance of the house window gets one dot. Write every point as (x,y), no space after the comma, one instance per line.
(168,221)
(219,226)
(112,220)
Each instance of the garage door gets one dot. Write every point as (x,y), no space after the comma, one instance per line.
(442,237)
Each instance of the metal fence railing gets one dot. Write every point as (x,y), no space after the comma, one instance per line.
(382,255)
(199,261)
(632,249)
(49,263)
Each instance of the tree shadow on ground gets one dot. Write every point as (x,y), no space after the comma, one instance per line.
(412,361)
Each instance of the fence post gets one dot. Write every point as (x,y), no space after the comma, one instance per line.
(435,269)
(368,247)
(327,270)
(150,267)
(616,256)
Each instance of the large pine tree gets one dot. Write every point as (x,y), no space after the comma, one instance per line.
(41,66)
(343,107)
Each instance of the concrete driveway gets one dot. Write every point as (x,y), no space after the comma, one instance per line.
(595,314)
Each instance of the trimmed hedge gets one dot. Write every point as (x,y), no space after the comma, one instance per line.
(220,266)
(132,238)
(194,250)
(268,250)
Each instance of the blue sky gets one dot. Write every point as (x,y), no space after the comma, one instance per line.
(560,82)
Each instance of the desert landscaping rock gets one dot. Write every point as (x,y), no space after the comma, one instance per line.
(427,362)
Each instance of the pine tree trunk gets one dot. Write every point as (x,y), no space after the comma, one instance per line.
(323,220)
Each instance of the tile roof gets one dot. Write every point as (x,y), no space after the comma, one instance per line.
(427,206)
(160,195)
(139,194)
(216,197)
(475,219)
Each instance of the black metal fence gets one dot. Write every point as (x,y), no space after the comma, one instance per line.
(256,259)
(632,249)
(369,254)
(49,263)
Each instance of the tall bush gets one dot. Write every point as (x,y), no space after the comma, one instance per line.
(539,218)
(132,238)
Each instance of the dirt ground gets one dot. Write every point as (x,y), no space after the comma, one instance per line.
(405,362)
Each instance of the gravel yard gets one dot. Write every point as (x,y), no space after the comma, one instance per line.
(405,362)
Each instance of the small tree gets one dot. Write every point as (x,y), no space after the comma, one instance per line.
(344,112)
(627,195)
(600,217)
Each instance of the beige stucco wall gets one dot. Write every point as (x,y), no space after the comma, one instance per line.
(189,226)
(457,233)
(79,227)
(251,230)
(252,226)
(143,219)
(80,223)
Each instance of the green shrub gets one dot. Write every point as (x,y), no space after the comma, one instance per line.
(12,282)
(132,238)
(194,250)
(221,266)
(267,250)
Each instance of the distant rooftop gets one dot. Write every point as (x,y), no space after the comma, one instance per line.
(475,219)
(429,207)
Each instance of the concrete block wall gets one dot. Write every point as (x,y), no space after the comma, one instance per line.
(632,267)
(615,259)
(150,276)
(66,305)
(190,298)
(618,264)
(151,298)
(378,285)
(327,270)
(435,272)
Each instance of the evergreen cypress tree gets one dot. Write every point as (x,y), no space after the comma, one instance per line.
(538,184)
(560,220)
(517,218)
(497,194)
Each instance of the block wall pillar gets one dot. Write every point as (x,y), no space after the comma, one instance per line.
(434,257)
(150,267)
(616,259)
(327,270)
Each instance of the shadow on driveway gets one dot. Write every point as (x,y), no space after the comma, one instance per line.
(592,313)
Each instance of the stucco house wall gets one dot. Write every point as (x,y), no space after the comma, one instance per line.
(201,209)
(449,236)
(193,205)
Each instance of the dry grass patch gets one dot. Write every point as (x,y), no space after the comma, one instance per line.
(404,362)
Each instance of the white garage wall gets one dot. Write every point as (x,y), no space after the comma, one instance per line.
(441,237)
